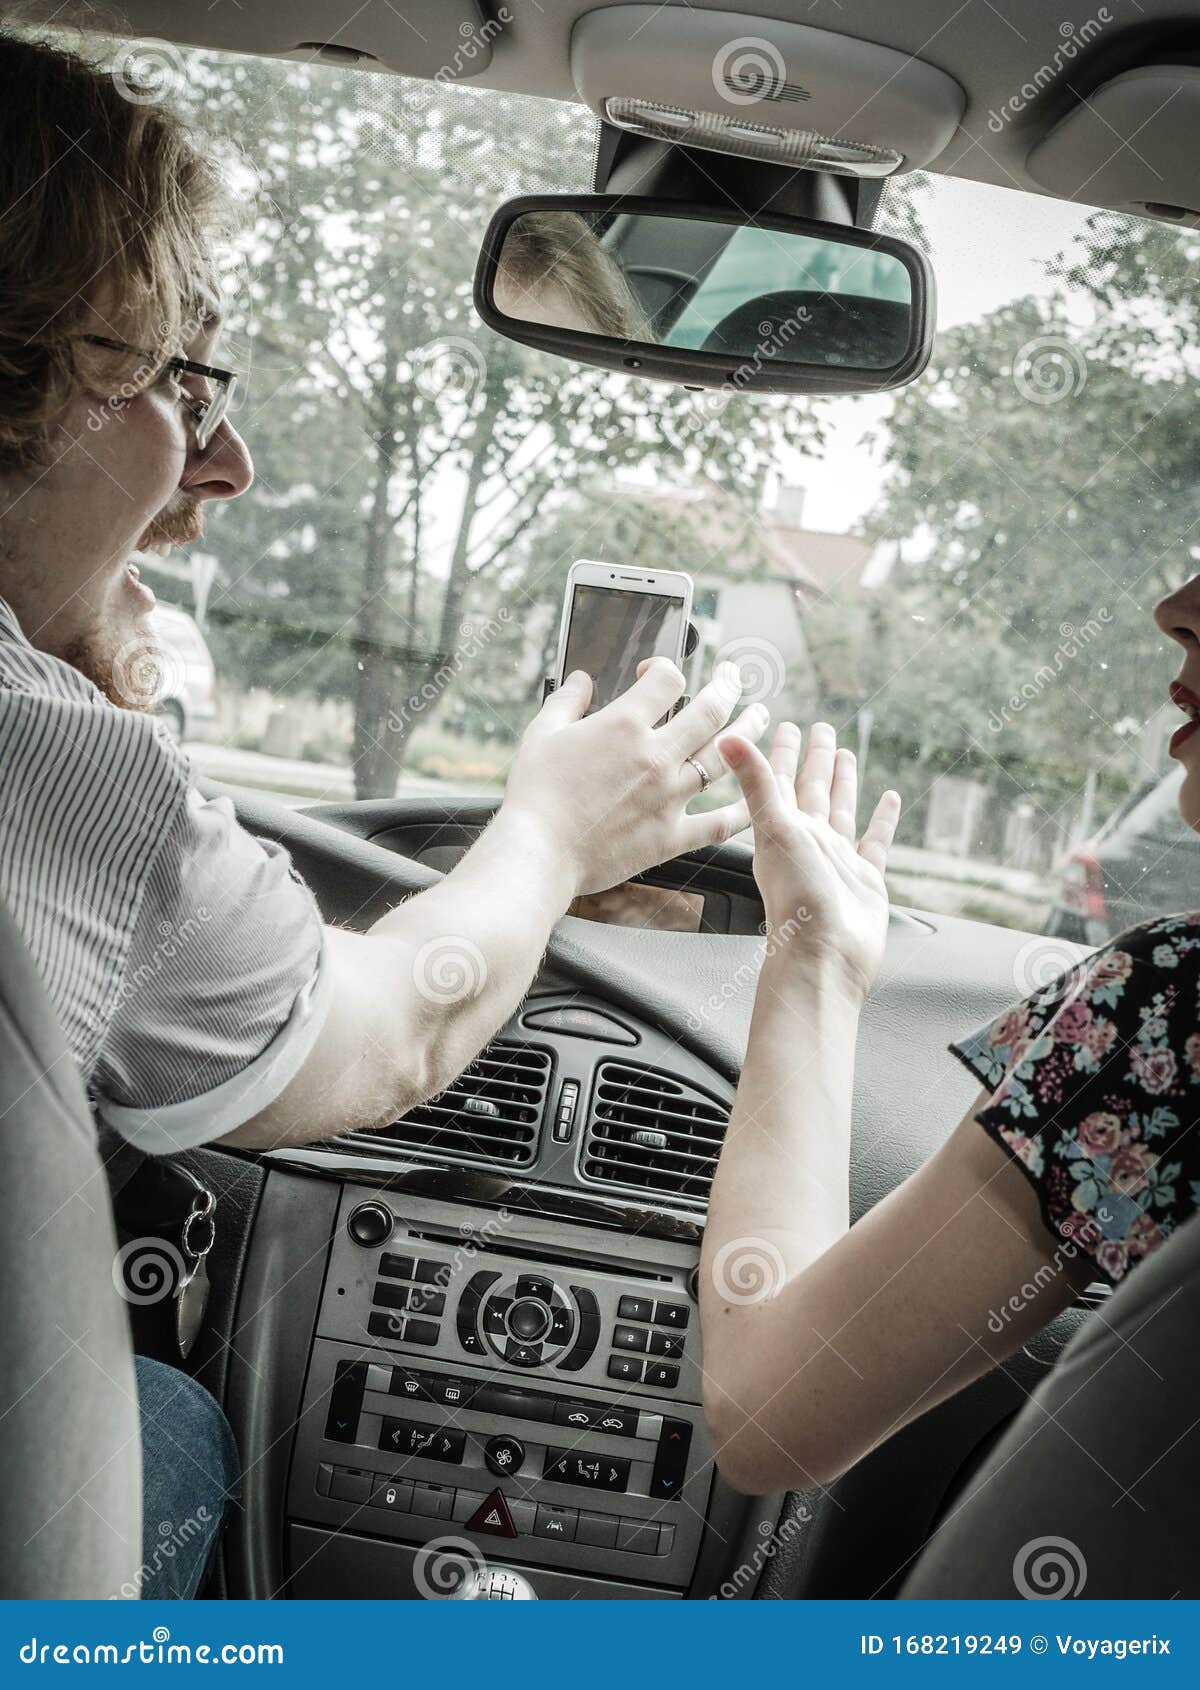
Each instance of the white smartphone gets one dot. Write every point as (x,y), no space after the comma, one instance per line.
(614,617)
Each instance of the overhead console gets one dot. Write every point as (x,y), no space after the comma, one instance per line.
(489,1387)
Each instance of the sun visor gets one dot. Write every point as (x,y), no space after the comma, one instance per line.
(760,88)
(1131,147)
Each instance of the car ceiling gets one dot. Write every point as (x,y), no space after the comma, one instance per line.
(991,48)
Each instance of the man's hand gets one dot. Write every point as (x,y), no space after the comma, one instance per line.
(825,898)
(611,790)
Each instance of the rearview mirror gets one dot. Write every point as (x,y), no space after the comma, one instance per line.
(706,297)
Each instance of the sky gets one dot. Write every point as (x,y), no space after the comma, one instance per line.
(988,245)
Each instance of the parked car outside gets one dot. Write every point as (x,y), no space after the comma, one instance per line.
(187,701)
(1142,863)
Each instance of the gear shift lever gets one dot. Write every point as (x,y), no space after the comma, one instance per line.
(494,1584)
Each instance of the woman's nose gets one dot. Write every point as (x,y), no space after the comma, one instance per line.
(1179,613)
(223,470)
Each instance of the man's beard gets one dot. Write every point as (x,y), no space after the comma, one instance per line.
(128,666)
(129,677)
(178,525)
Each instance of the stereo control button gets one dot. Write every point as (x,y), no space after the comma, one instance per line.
(672,1314)
(504,1455)
(414,1437)
(345,1401)
(522,1355)
(640,1536)
(589,1331)
(513,1402)
(370,1225)
(670,1460)
(528,1320)
(534,1285)
(600,1530)
(582,1467)
(555,1522)
(598,1417)
(395,1494)
(493,1516)
(635,1308)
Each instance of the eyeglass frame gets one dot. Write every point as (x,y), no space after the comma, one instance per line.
(207,414)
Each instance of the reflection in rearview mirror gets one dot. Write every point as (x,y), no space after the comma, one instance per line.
(706,284)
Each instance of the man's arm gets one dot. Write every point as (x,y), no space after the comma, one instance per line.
(415,998)
(820,1341)
(590,801)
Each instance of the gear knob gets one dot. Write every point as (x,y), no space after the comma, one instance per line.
(494,1584)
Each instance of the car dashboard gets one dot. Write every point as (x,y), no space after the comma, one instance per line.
(471,1339)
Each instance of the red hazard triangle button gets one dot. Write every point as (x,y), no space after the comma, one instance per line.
(493,1516)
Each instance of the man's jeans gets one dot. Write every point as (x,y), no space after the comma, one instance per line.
(190,1472)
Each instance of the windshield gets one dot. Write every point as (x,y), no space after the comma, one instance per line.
(959,577)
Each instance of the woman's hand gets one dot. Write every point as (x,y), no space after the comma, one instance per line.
(825,898)
(609,792)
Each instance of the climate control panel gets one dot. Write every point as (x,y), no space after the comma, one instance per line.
(525,1384)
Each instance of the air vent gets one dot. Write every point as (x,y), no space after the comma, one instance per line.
(651,1132)
(756,82)
(492,1113)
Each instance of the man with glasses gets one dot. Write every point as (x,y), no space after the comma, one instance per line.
(201,993)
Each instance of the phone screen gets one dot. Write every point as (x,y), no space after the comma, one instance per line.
(611,631)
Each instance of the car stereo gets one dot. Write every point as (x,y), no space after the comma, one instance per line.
(499,1389)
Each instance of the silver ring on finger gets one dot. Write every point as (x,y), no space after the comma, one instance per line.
(706,779)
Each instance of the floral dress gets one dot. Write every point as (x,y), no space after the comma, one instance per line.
(1095,1085)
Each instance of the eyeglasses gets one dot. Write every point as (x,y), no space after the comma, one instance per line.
(206,414)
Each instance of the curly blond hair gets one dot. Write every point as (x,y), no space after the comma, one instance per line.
(108,207)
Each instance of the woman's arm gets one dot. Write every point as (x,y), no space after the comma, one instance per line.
(819,1341)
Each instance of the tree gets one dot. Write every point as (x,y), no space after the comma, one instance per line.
(1043,491)
(405,450)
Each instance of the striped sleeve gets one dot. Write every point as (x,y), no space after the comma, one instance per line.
(223,992)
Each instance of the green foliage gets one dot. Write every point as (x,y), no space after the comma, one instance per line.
(404,451)
(1044,495)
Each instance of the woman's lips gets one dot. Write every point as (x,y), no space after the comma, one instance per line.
(1189,703)
(1181,736)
